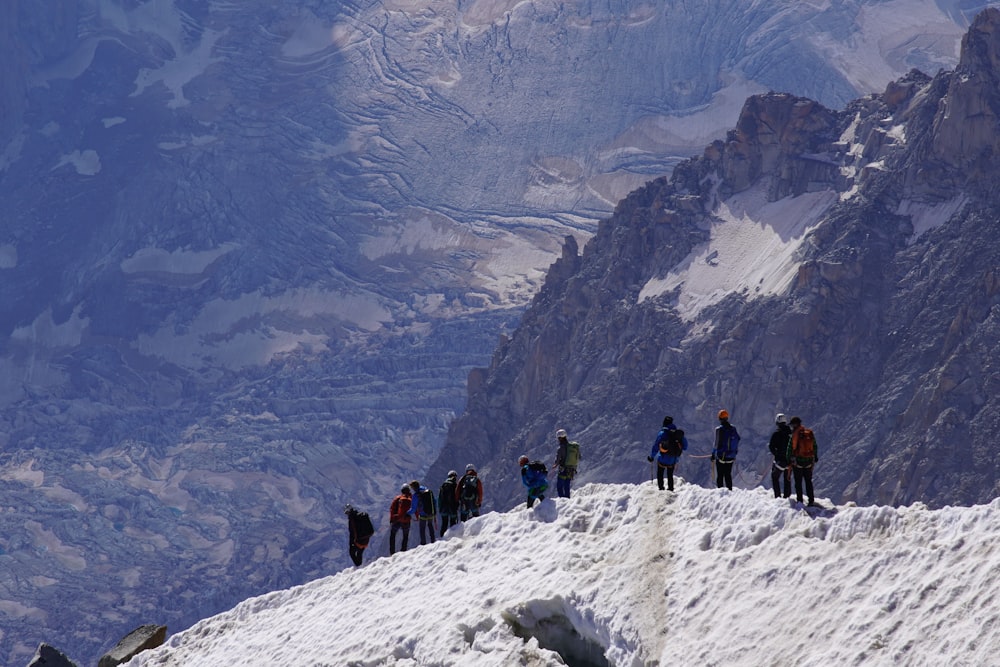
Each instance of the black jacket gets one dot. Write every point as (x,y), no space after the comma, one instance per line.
(447,497)
(779,444)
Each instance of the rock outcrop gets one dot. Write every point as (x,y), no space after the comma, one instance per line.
(141,639)
(48,656)
(880,335)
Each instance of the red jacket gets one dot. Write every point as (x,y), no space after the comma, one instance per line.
(479,488)
(399,508)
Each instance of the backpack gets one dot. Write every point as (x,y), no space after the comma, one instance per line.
(363,528)
(426,502)
(673,444)
(538,466)
(572,455)
(729,441)
(805,445)
(470,489)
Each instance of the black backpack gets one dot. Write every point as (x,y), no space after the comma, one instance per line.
(673,445)
(427,503)
(538,466)
(363,527)
(446,495)
(470,489)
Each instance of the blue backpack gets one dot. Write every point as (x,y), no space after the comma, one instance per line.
(729,443)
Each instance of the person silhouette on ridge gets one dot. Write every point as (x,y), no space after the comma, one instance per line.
(727,441)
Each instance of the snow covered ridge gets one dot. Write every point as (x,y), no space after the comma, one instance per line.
(627,575)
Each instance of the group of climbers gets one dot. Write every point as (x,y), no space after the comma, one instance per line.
(535,475)
(793,447)
(458,499)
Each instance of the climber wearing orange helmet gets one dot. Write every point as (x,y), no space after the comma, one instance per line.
(727,441)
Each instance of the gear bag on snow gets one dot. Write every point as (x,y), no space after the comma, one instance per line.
(572,455)
(805,444)
(673,444)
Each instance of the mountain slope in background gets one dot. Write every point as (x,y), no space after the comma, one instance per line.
(841,266)
(249,252)
(626,575)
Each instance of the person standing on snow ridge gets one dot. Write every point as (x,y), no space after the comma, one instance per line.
(803,452)
(423,510)
(448,501)
(727,441)
(469,493)
(780,468)
(359,531)
(567,459)
(670,443)
(535,477)
(399,518)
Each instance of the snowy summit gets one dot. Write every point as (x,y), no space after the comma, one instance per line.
(627,575)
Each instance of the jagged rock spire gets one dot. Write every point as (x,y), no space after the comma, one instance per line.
(966,131)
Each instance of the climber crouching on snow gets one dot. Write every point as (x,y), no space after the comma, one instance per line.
(535,477)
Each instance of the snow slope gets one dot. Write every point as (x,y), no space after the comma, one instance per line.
(629,575)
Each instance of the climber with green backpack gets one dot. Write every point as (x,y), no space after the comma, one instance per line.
(567,460)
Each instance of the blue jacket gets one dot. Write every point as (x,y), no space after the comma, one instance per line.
(660,457)
(417,510)
(727,442)
(533,478)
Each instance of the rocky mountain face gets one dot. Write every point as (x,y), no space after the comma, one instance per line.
(837,265)
(250,252)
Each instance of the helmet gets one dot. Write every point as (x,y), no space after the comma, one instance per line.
(469,467)
(348,508)
(452,473)
(523,460)
(667,421)
(561,433)
(780,418)
(405,489)
(723,414)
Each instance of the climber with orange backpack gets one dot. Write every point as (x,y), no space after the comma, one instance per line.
(803,454)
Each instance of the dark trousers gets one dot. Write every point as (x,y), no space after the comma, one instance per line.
(724,473)
(426,526)
(777,474)
(396,527)
(670,476)
(807,475)
(357,553)
(448,520)
(469,509)
(563,480)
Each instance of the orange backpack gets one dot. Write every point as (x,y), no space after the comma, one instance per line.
(805,444)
